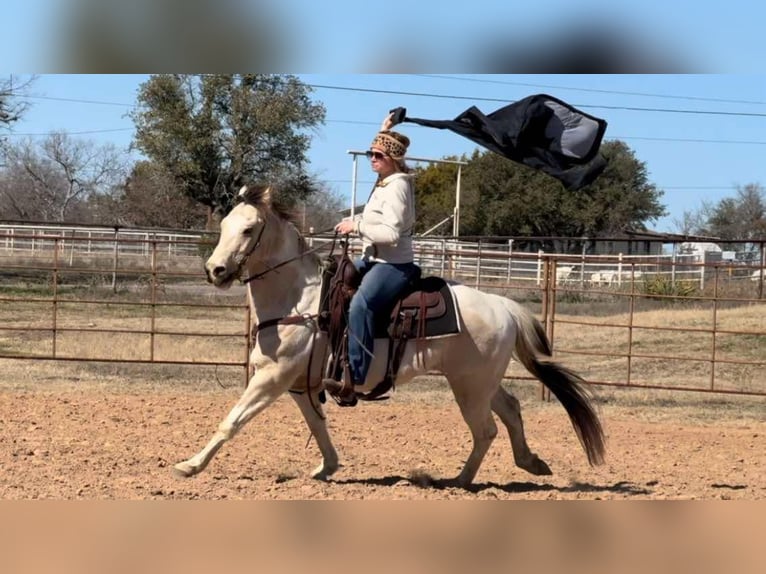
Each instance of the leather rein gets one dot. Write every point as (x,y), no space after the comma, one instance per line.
(278,265)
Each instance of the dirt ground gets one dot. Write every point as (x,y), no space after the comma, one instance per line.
(96,442)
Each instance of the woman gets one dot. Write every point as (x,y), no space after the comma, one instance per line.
(385,228)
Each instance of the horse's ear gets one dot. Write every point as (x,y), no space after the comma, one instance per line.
(256,194)
(265,195)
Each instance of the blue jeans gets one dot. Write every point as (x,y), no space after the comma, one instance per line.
(381,284)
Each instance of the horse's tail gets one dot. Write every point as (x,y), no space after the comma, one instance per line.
(533,350)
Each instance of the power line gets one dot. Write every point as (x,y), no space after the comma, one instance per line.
(591,90)
(41,134)
(365,123)
(506,101)
(688,140)
(485,99)
(79,101)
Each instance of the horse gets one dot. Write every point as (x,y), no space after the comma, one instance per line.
(260,246)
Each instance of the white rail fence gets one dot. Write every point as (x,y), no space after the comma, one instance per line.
(36,240)
(466,261)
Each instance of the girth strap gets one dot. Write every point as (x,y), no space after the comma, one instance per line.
(289,320)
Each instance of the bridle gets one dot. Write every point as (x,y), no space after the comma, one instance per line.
(278,265)
(243,259)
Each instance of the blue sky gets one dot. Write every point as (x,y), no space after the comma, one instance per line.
(691,155)
(347,36)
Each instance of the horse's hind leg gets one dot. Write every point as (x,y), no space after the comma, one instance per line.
(260,393)
(312,412)
(507,407)
(475,407)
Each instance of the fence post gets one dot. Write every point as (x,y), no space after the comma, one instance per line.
(539,265)
(702,270)
(444,257)
(510,259)
(153,318)
(763,265)
(55,295)
(115,257)
(549,314)
(619,270)
(478,264)
(673,266)
(71,250)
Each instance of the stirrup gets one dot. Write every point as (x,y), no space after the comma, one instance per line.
(342,393)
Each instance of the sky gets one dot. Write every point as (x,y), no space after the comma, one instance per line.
(700,136)
(681,82)
(346,36)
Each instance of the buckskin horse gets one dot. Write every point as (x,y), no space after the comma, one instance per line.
(259,245)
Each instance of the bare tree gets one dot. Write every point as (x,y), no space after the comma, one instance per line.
(51,180)
(11,108)
(319,212)
(694,222)
(150,198)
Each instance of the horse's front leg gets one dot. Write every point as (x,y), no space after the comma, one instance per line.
(264,388)
(312,411)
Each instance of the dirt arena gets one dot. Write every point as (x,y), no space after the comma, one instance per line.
(87,440)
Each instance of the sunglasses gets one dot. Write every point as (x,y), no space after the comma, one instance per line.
(375,155)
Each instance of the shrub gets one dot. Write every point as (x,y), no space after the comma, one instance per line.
(661,285)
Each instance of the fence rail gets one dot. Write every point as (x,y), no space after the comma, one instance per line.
(651,322)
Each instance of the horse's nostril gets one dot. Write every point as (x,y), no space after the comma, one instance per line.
(218,271)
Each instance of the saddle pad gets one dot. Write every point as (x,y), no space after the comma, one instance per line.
(445,323)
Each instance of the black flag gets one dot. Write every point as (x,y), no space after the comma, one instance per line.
(538,131)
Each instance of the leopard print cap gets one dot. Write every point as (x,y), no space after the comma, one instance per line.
(392,143)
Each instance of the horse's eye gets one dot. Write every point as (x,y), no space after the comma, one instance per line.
(247,232)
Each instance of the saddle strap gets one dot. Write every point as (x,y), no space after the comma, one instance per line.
(289,320)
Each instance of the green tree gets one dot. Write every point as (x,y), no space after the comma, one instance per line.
(501,197)
(214,133)
(435,197)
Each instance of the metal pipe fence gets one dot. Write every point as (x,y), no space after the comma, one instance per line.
(146,302)
(639,322)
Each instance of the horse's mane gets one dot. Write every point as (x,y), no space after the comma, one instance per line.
(266,197)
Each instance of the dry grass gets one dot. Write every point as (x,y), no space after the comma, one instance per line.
(586,333)
(686,356)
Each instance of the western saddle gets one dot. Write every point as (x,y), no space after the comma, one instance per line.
(422,300)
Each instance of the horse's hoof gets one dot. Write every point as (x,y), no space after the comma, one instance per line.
(537,466)
(323,472)
(184,470)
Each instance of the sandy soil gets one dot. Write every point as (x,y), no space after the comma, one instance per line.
(94,443)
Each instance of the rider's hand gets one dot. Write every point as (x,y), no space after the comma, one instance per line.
(345,227)
(388,122)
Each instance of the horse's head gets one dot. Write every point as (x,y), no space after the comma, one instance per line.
(241,234)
